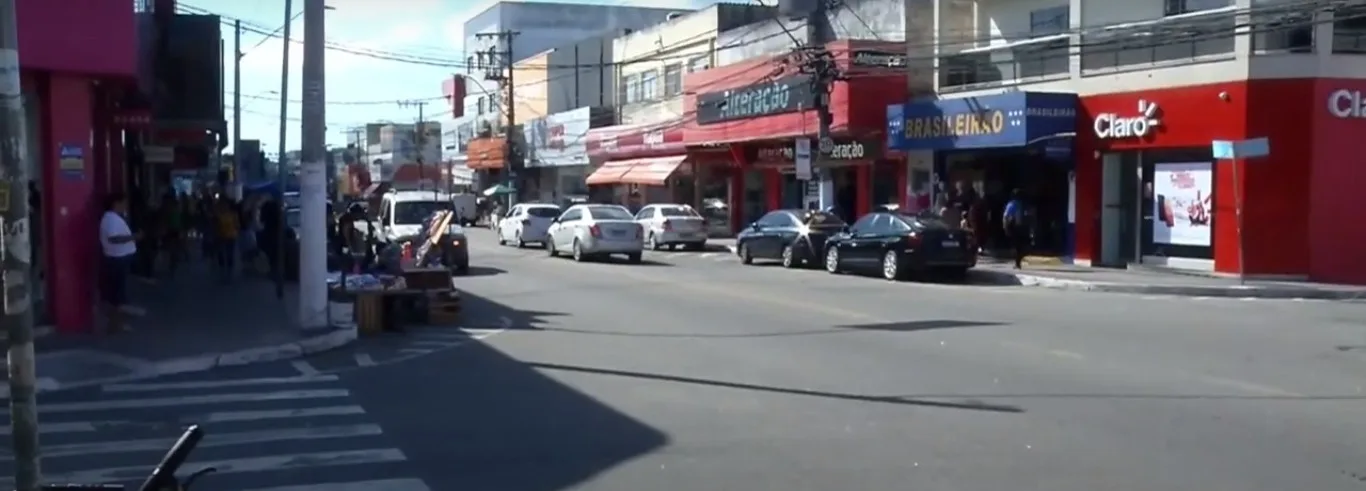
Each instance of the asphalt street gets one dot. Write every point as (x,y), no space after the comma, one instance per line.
(693,373)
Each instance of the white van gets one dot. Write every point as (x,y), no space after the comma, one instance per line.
(401,213)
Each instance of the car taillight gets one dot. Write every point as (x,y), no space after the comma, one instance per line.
(668,225)
(913,239)
(595,231)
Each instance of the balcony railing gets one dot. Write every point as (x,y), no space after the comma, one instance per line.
(1024,62)
(1289,32)
(1349,30)
(1171,40)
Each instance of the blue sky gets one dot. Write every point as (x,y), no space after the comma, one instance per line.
(430,28)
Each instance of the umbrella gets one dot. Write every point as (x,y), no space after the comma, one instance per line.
(499,189)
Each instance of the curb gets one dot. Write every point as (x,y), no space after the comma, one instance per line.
(1235,291)
(329,339)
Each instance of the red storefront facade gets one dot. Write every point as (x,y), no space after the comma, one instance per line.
(1300,207)
(754,111)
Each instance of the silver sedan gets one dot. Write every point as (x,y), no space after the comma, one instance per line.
(590,231)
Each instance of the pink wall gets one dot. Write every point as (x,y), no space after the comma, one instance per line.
(94,37)
(71,210)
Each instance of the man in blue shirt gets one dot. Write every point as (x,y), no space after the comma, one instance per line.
(1015,220)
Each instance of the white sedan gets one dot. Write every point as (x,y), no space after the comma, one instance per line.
(527,223)
(589,231)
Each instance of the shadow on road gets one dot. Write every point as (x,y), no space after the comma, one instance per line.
(477,419)
(478,312)
(965,404)
(481,271)
(907,326)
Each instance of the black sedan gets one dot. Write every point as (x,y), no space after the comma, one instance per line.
(794,237)
(897,243)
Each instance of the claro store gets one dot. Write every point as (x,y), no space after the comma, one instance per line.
(1148,190)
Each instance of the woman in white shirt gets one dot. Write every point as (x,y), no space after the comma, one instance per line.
(119,246)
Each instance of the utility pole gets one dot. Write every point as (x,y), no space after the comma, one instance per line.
(313,174)
(820,64)
(419,141)
(237,103)
(23,405)
(279,266)
(500,70)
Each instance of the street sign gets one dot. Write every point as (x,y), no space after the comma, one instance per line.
(1240,149)
(802,158)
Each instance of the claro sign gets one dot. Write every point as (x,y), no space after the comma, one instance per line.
(1347,104)
(1117,126)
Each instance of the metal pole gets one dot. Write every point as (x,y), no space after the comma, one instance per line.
(14,209)
(279,265)
(1238,215)
(237,102)
(313,174)
(510,145)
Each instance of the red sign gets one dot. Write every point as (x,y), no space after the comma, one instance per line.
(636,141)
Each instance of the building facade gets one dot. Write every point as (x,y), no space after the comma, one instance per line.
(557,153)
(73,87)
(1156,84)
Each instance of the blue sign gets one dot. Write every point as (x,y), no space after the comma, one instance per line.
(1006,120)
(71,160)
(1242,149)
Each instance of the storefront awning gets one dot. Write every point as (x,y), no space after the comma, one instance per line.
(652,172)
(1013,119)
(609,173)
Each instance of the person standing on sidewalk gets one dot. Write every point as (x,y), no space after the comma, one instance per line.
(119,246)
(228,225)
(1017,229)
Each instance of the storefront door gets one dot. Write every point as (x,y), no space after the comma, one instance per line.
(1120,176)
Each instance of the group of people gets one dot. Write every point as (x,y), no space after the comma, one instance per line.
(1010,226)
(155,240)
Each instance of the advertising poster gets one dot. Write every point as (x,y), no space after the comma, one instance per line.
(1183,203)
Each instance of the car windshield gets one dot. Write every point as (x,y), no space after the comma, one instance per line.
(677,211)
(413,212)
(609,213)
(822,219)
(543,212)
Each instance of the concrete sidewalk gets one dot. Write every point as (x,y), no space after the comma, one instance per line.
(193,323)
(1079,278)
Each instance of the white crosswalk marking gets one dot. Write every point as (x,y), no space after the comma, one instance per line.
(263,434)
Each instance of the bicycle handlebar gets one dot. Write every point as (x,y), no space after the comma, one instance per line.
(174,458)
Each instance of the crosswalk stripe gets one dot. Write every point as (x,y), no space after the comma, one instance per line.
(218,440)
(380,485)
(203,419)
(218,384)
(251,464)
(189,400)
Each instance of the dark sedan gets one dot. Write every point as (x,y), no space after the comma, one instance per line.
(897,244)
(794,237)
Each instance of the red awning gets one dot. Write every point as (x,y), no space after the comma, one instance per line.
(609,173)
(652,172)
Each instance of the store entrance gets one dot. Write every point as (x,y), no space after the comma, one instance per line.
(989,178)
(1119,212)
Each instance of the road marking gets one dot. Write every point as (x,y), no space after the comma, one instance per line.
(219,440)
(255,464)
(380,485)
(209,418)
(217,384)
(364,360)
(305,368)
(190,400)
(1249,386)
(1066,354)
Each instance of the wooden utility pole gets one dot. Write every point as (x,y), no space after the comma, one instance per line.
(499,59)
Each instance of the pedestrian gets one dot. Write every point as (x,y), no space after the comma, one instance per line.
(118,245)
(1015,222)
(173,216)
(228,226)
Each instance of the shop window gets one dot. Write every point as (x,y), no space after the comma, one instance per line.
(1349,30)
(673,80)
(1049,57)
(1189,38)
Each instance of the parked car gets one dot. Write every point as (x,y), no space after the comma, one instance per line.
(898,243)
(794,237)
(527,223)
(671,225)
(590,231)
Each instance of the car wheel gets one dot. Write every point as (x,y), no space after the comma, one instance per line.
(745,256)
(653,242)
(790,257)
(578,252)
(500,237)
(550,248)
(521,244)
(633,258)
(832,261)
(891,266)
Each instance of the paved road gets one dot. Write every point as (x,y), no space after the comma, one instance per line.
(688,373)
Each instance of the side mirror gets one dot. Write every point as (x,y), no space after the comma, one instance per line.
(755,226)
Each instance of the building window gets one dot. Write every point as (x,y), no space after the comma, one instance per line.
(469,64)
(631,85)
(699,63)
(1191,38)
(673,80)
(967,69)
(649,85)
(1291,31)
(1178,7)
(1349,30)
(1044,58)
(481,106)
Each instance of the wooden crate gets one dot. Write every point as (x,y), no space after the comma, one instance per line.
(369,313)
(443,308)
